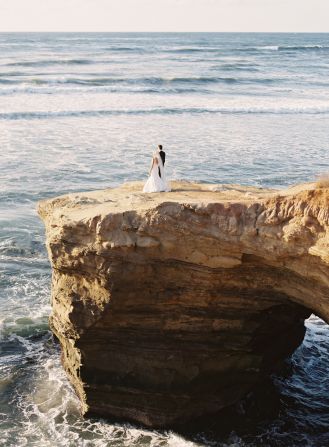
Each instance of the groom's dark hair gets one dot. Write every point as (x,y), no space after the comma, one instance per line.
(160,147)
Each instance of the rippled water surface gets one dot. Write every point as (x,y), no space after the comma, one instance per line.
(84,111)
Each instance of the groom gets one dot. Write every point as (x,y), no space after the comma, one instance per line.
(163,157)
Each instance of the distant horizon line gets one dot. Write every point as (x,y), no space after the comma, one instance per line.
(166,32)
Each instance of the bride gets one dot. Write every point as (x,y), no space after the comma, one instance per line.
(157,179)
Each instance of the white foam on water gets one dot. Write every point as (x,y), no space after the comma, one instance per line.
(48,411)
(268,47)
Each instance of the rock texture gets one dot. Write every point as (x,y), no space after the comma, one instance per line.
(174,305)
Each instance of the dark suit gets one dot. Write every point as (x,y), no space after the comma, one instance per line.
(163,158)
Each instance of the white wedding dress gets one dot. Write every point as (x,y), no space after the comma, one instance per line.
(155,183)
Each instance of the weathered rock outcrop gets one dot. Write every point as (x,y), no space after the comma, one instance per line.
(174,305)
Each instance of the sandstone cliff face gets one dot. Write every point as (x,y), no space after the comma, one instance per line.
(174,305)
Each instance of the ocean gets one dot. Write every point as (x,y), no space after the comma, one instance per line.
(85,111)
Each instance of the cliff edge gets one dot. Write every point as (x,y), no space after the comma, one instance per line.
(170,306)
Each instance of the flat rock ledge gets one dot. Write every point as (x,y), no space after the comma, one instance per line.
(171,306)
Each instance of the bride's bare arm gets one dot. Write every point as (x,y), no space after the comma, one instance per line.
(152,163)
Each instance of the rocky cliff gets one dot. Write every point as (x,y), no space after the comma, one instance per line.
(174,305)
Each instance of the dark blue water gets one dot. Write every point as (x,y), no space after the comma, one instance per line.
(84,111)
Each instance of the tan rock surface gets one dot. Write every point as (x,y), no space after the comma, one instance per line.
(173,305)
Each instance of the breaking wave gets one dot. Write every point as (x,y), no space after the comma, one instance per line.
(165,111)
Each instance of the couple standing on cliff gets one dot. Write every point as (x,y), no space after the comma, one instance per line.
(157,179)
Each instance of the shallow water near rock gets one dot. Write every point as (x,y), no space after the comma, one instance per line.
(84,111)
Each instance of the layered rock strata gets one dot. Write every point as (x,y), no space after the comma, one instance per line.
(174,305)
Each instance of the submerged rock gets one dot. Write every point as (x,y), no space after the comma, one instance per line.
(172,306)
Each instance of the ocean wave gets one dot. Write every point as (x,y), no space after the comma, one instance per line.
(284,48)
(303,48)
(147,80)
(13,248)
(47,62)
(10,116)
(265,48)
(132,49)
(238,66)
(10,81)
(190,50)
(270,47)
(198,80)
(98,81)
(159,81)
(101,89)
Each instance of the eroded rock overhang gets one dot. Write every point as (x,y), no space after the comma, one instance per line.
(170,306)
